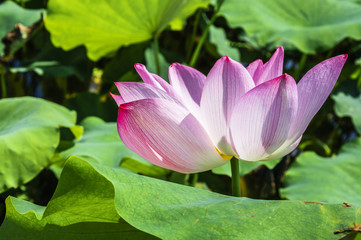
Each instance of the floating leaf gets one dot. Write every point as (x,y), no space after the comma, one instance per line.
(335,179)
(91,199)
(77,131)
(348,106)
(308,25)
(104,26)
(11,14)
(78,216)
(29,135)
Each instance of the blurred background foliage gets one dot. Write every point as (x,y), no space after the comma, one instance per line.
(59,60)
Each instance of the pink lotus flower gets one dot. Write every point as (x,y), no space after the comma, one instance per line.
(197,123)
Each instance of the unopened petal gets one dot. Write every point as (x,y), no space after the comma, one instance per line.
(227,81)
(154,79)
(132,91)
(255,69)
(118,99)
(260,121)
(284,149)
(313,90)
(271,69)
(167,135)
(187,82)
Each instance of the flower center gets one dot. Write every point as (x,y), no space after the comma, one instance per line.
(224,156)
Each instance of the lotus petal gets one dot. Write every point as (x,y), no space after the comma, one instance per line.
(271,69)
(132,91)
(154,80)
(167,135)
(227,81)
(313,90)
(261,119)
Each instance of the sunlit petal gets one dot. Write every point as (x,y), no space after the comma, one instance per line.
(118,99)
(313,90)
(261,119)
(132,91)
(227,81)
(168,135)
(271,69)
(154,80)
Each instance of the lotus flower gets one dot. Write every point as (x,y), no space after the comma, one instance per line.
(199,122)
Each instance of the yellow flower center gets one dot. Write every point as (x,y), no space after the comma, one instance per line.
(224,156)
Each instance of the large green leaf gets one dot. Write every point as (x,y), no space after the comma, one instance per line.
(29,135)
(348,106)
(98,197)
(308,25)
(11,14)
(77,216)
(335,179)
(104,26)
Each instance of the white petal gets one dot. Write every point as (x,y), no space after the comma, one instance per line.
(260,121)
(227,81)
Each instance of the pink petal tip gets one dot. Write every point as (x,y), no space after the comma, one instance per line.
(175,64)
(226,58)
(139,66)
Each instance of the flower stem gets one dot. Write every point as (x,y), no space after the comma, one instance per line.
(359,78)
(194,179)
(3,85)
(236,179)
(190,43)
(156,53)
(204,34)
(201,41)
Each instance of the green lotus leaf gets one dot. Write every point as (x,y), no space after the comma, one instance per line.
(104,26)
(335,179)
(29,135)
(93,217)
(308,25)
(91,199)
(348,106)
